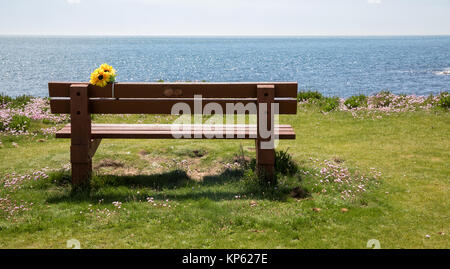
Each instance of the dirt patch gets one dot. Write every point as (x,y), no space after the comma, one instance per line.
(116,168)
(198,173)
(109,163)
(128,171)
(193,165)
(143,152)
(157,164)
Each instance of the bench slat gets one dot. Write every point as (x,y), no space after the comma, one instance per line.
(207,90)
(174,89)
(62,89)
(159,106)
(168,126)
(159,131)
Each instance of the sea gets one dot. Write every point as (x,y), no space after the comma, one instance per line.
(334,66)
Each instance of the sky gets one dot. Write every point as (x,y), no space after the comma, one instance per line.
(225,17)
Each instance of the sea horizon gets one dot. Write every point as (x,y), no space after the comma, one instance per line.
(333,65)
(226,36)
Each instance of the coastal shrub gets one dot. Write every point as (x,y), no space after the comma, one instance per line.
(4,99)
(356,101)
(430,100)
(19,123)
(15,123)
(5,119)
(14,102)
(444,100)
(21,101)
(17,113)
(329,103)
(382,99)
(284,164)
(326,103)
(309,95)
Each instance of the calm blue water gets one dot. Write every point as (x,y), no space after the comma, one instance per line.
(331,65)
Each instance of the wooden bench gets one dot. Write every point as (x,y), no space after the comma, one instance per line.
(80,100)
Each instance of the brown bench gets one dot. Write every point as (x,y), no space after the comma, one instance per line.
(80,100)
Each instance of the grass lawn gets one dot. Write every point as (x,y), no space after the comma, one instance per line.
(201,194)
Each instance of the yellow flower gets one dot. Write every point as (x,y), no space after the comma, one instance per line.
(103,75)
(100,78)
(109,69)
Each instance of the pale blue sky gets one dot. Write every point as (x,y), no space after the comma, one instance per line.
(226,17)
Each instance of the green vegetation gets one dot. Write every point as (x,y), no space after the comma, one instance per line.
(284,163)
(327,104)
(347,178)
(444,101)
(356,101)
(382,99)
(14,102)
(20,123)
(309,95)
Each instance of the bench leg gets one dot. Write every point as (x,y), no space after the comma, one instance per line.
(81,158)
(81,143)
(81,173)
(265,163)
(265,158)
(81,164)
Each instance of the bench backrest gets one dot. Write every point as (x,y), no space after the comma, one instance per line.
(158,98)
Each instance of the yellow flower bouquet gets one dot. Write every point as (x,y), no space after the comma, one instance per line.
(103,75)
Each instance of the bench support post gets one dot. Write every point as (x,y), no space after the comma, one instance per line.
(81,147)
(265,150)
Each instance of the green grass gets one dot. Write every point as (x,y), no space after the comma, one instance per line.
(215,207)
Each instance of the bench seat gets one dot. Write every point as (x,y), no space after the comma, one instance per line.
(163,131)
